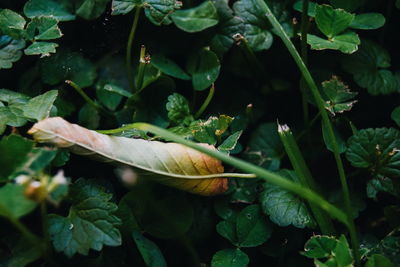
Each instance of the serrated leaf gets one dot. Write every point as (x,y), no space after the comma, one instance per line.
(338,96)
(251,227)
(43,28)
(55,8)
(332,22)
(39,107)
(256,27)
(168,67)
(179,110)
(204,67)
(395,115)
(90,223)
(347,42)
(376,150)
(41,48)
(158,11)
(13,202)
(67,65)
(230,258)
(167,163)
(151,254)
(197,18)
(122,7)
(369,68)
(90,9)
(228,26)
(12,24)
(10,51)
(283,207)
(368,21)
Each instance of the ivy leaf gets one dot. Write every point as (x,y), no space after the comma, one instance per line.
(283,207)
(256,27)
(368,21)
(90,9)
(67,65)
(41,48)
(43,28)
(396,115)
(230,258)
(339,97)
(39,107)
(204,67)
(10,51)
(376,150)
(122,7)
(54,8)
(197,18)
(159,11)
(347,42)
(178,110)
(90,223)
(151,254)
(12,24)
(13,202)
(369,68)
(331,21)
(168,67)
(228,26)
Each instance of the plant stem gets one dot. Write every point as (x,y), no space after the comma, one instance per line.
(305,177)
(83,94)
(206,102)
(129,48)
(304,55)
(325,117)
(142,66)
(253,61)
(250,168)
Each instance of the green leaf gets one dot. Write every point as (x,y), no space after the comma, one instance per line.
(378,260)
(369,68)
(43,28)
(210,130)
(13,151)
(151,254)
(230,142)
(13,202)
(41,48)
(350,6)
(376,150)
(396,115)
(10,51)
(204,67)
(265,147)
(159,11)
(368,21)
(22,253)
(54,8)
(39,107)
(89,117)
(228,26)
(12,24)
(382,184)
(12,115)
(339,140)
(36,160)
(90,9)
(389,247)
(283,207)
(227,229)
(67,65)
(230,258)
(122,7)
(347,42)
(251,227)
(90,223)
(110,95)
(168,67)
(298,5)
(12,97)
(339,97)
(256,26)
(197,18)
(332,22)
(179,110)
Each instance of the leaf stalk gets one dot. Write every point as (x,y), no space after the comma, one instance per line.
(206,102)
(129,48)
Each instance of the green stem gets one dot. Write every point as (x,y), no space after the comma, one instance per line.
(305,177)
(325,117)
(252,59)
(142,66)
(129,48)
(206,102)
(252,169)
(304,55)
(83,94)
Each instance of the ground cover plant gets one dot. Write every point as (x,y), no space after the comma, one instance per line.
(199,133)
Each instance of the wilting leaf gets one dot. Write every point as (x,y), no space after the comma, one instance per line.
(10,51)
(168,163)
